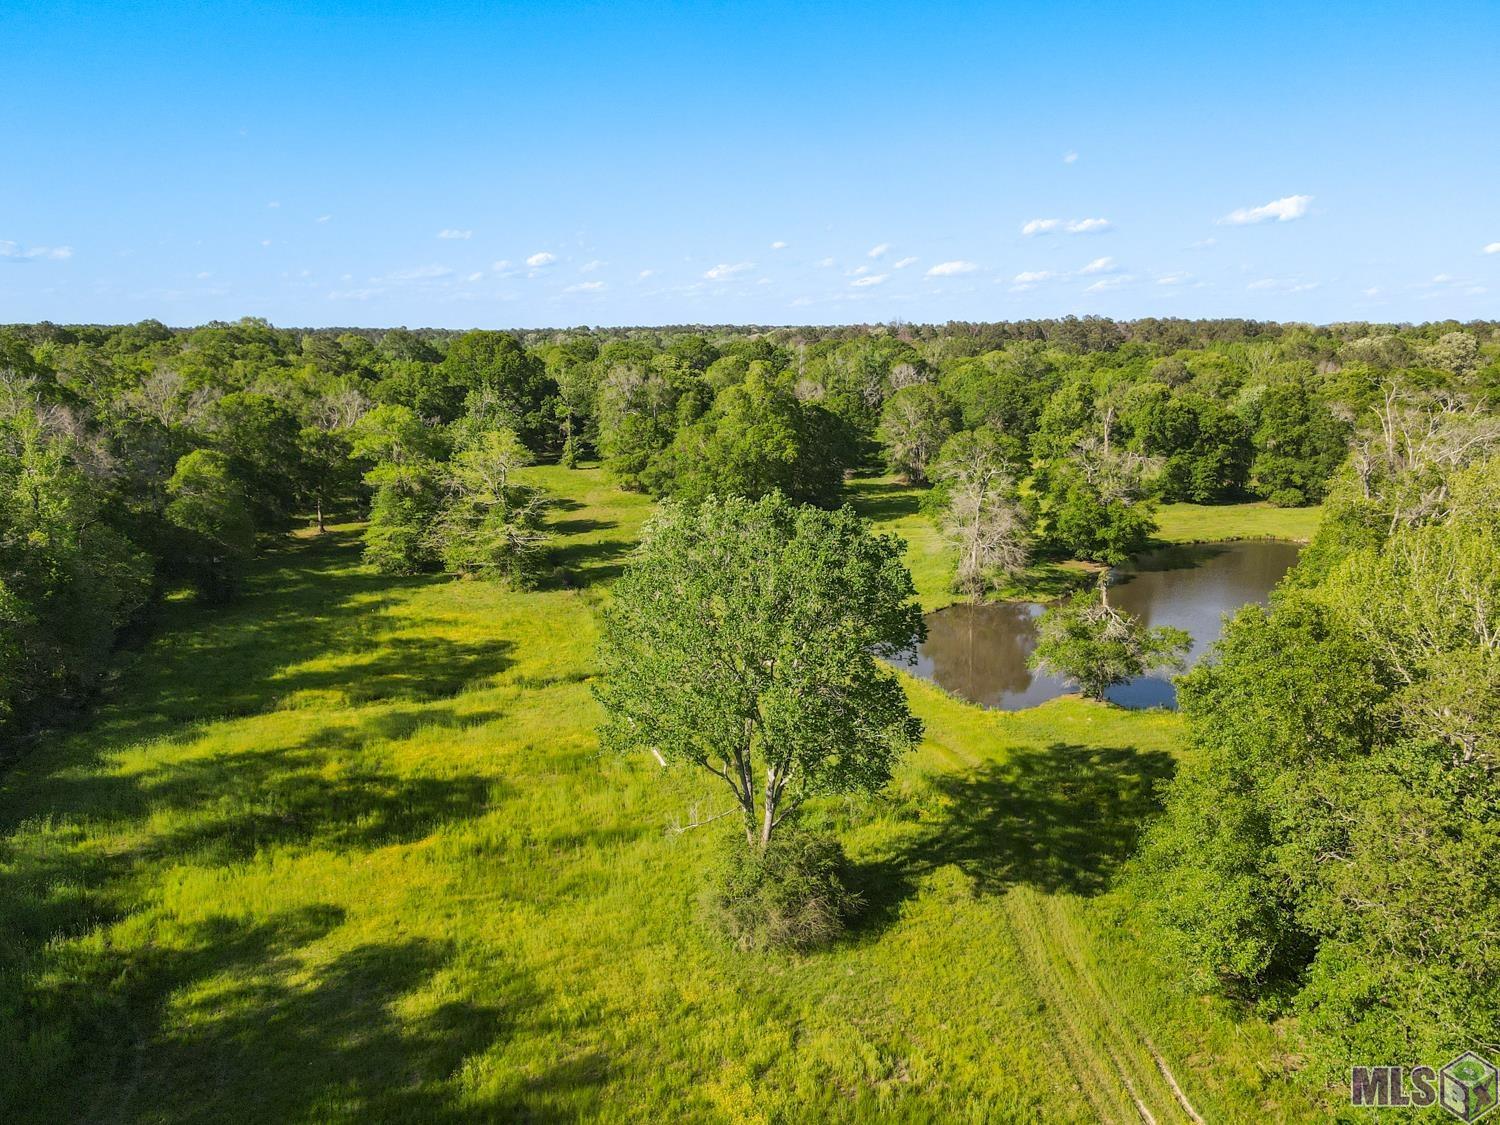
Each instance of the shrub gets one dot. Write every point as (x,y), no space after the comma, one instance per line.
(1287,498)
(789,896)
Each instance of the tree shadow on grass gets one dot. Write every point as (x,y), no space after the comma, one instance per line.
(885,500)
(304,599)
(1060,819)
(231,1020)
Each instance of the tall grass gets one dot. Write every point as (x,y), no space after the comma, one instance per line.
(348,850)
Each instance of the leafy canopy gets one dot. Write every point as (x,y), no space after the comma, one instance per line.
(745,639)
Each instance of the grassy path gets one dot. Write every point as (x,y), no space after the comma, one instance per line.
(347,850)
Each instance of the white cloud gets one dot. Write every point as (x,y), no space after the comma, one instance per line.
(541,258)
(1174,278)
(950,269)
(824,263)
(585,287)
(1100,265)
(904,262)
(453,232)
(421,273)
(1492,248)
(478,275)
(857,271)
(1283,210)
(644,274)
(1203,244)
(1104,285)
(274,204)
(1067,226)
(778,245)
(324,218)
(1031,277)
(501,266)
(1282,285)
(203,275)
(1070,158)
(878,251)
(724,270)
(265,242)
(873,279)
(590,267)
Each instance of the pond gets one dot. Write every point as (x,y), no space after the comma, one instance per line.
(979,652)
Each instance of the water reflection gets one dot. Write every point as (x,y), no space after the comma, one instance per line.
(980,652)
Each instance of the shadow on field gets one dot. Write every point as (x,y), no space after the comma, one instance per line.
(304,599)
(1059,819)
(228,1020)
(884,500)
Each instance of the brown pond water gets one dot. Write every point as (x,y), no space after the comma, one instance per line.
(979,652)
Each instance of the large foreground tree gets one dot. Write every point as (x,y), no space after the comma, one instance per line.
(745,639)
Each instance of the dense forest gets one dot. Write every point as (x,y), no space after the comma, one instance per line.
(1331,849)
(140,459)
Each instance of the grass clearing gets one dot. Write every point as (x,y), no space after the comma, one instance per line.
(347,850)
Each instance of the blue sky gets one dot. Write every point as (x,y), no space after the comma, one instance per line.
(557,164)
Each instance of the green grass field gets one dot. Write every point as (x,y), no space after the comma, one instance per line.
(348,850)
(897,507)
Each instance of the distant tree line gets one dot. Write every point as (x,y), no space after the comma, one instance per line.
(138,459)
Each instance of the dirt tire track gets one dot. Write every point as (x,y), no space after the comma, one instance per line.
(1120,1072)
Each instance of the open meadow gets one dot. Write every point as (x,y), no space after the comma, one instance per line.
(348,850)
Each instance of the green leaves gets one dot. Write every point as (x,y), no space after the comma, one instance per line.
(744,639)
(1089,643)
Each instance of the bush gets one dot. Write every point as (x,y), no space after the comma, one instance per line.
(1287,498)
(791,896)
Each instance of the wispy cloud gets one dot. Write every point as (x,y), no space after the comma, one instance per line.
(644,274)
(725,270)
(1070,158)
(1064,226)
(824,263)
(454,232)
(477,275)
(873,279)
(35,253)
(879,251)
(1105,284)
(903,263)
(275,203)
(421,273)
(1492,248)
(1283,210)
(1282,285)
(324,218)
(585,287)
(1174,279)
(952,269)
(590,267)
(541,258)
(778,245)
(1030,279)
